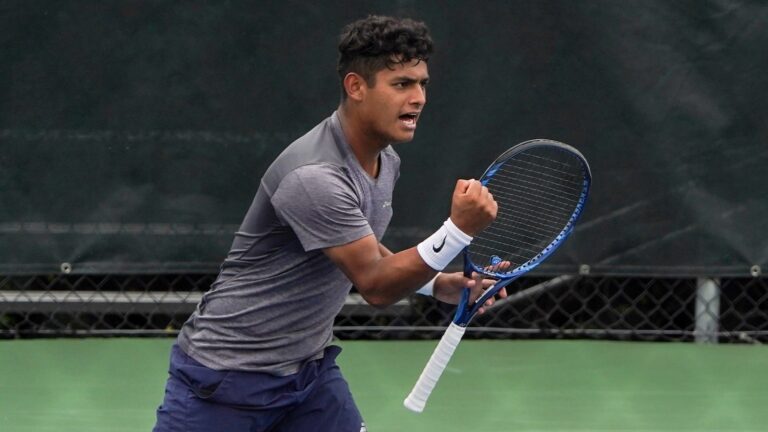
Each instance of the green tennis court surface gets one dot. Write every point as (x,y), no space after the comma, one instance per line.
(542,386)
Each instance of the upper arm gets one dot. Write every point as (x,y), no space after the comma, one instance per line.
(320,205)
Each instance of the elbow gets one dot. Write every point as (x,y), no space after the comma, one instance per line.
(380,303)
(376,299)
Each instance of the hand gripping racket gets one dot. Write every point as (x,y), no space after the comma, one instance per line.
(540,187)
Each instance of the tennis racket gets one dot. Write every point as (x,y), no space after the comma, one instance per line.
(540,187)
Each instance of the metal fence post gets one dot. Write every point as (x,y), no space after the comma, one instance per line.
(707,310)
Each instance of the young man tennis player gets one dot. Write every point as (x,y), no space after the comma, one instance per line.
(256,355)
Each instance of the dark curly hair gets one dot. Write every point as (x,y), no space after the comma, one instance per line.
(369,45)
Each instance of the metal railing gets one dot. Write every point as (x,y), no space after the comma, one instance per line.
(570,306)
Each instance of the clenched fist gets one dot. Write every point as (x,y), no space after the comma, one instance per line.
(472,207)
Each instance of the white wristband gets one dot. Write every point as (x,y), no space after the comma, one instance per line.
(439,249)
(429,288)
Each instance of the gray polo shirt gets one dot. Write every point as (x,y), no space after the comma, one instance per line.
(273,304)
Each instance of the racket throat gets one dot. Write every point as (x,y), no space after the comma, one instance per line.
(463,308)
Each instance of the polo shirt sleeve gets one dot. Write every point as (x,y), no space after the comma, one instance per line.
(321,206)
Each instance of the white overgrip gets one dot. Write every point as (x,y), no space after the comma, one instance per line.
(434,368)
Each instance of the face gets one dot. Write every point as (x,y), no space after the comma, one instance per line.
(392,106)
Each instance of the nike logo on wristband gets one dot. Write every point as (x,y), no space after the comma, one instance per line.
(437,249)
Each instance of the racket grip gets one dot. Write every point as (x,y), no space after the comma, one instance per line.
(434,368)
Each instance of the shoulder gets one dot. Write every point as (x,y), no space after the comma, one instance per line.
(317,150)
(313,183)
(318,173)
(316,194)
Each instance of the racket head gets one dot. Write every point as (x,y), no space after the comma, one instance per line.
(540,187)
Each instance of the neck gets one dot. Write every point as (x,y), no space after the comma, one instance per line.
(365,147)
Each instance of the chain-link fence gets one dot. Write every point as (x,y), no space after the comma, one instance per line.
(662,309)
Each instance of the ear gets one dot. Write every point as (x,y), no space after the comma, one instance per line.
(355,86)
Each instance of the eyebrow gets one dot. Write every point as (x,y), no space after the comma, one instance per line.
(408,79)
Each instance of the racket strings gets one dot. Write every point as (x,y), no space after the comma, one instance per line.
(561,186)
(524,238)
(517,214)
(554,198)
(537,192)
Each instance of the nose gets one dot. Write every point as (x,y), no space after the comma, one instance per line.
(419,96)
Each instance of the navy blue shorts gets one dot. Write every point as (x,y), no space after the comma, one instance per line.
(198,398)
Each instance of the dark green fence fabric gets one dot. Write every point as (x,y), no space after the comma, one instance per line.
(133,134)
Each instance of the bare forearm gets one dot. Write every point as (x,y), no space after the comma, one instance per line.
(381,277)
(395,277)
(384,278)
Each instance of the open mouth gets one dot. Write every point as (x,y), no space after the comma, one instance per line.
(409,119)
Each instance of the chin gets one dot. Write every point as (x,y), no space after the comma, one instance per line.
(403,138)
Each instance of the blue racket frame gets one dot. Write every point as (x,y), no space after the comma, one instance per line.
(465,312)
